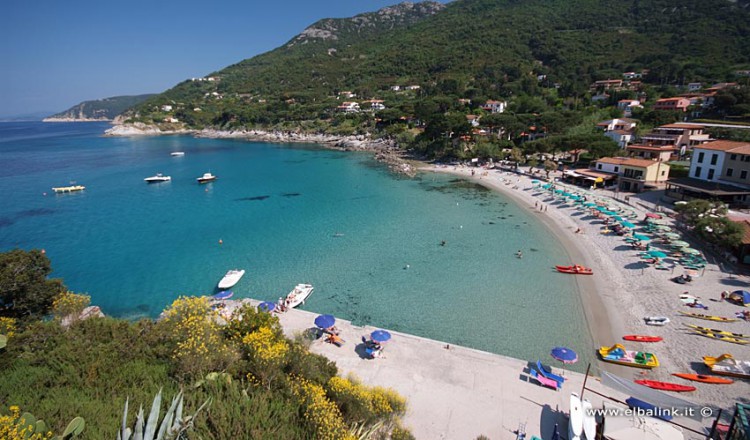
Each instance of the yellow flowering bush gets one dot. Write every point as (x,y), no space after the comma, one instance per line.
(266,352)
(69,304)
(199,345)
(14,427)
(365,402)
(8,327)
(320,412)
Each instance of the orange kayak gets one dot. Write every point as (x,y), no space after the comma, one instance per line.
(666,386)
(703,378)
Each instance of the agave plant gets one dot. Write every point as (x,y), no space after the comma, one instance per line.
(171,426)
(3,341)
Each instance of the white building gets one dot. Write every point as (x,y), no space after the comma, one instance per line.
(495,106)
(166,108)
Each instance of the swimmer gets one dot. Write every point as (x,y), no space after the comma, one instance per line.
(519,254)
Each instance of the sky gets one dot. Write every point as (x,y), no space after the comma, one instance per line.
(55,54)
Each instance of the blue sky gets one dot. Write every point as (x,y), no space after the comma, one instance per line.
(56,53)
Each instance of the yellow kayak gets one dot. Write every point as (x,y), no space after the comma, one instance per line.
(721,337)
(718,332)
(709,317)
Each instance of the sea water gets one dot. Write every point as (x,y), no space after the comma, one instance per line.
(370,242)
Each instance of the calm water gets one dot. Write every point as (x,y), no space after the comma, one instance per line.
(277,208)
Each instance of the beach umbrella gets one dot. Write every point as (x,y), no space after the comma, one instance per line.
(224,294)
(653,216)
(607,212)
(680,243)
(627,225)
(618,218)
(266,306)
(564,355)
(325,321)
(741,297)
(380,336)
(671,235)
(589,204)
(641,237)
(656,254)
(690,251)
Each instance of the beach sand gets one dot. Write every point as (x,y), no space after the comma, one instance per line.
(623,290)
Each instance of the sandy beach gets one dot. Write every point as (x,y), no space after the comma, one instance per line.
(623,290)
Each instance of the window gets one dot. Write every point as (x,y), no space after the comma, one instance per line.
(730,172)
(698,172)
(662,173)
(599,166)
(743,175)
(700,157)
(617,169)
(714,158)
(746,158)
(733,157)
(710,174)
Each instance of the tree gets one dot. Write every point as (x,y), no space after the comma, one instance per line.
(25,290)
(517,156)
(549,166)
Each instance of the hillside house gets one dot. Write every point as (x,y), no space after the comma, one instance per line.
(627,106)
(166,108)
(675,104)
(348,107)
(495,106)
(680,135)
(634,175)
(694,87)
(347,94)
(374,104)
(622,137)
(662,153)
(617,124)
(473,120)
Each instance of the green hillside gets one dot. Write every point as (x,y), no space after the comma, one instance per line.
(100,109)
(540,55)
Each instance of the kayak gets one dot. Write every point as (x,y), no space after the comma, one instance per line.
(718,332)
(575,269)
(721,337)
(708,317)
(665,386)
(642,338)
(652,410)
(703,378)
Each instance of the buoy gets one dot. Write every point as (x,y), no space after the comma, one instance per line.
(406,267)
(44,194)
(221,241)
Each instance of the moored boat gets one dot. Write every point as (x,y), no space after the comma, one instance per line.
(298,295)
(159,177)
(642,338)
(708,317)
(177,153)
(231,278)
(721,337)
(665,386)
(617,354)
(207,177)
(589,422)
(726,365)
(703,378)
(575,269)
(656,320)
(72,188)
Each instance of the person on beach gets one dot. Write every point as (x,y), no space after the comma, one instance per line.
(519,254)
(578,231)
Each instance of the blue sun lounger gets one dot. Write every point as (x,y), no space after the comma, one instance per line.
(548,374)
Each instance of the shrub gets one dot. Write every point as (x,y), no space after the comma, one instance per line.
(69,304)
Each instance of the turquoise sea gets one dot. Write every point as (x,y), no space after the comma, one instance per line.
(287,214)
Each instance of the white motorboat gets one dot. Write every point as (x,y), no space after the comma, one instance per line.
(589,422)
(575,425)
(177,153)
(159,177)
(656,320)
(231,278)
(298,295)
(208,177)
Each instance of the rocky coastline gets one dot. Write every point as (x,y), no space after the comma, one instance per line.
(50,119)
(385,150)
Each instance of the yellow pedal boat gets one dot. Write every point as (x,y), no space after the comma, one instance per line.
(727,365)
(617,354)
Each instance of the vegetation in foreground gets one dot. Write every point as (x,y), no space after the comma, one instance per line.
(254,382)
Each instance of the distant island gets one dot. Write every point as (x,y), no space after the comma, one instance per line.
(98,110)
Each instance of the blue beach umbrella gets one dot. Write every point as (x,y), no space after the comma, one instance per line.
(224,294)
(325,321)
(742,297)
(627,225)
(564,355)
(618,218)
(380,336)
(657,254)
(641,237)
(266,306)
(607,212)
(589,204)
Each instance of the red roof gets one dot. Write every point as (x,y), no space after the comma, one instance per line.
(625,161)
(685,126)
(725,146)
(651,147)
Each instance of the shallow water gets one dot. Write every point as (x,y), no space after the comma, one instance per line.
(369,242)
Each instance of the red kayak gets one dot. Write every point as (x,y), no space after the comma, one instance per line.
(666,386)
(703,378)
(642,338)
(575,269)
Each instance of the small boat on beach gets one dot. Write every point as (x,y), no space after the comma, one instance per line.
(718,332)
(642,338)
(575,269)
(575,424)
(159,177)
(656,320)
(207,177)
(721,337)
(649,409)
(177,153)
(231,278)
(665,386)
(589,422)
(298,295)
(708,317)
(703,378)
(617,354)
(726,365)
